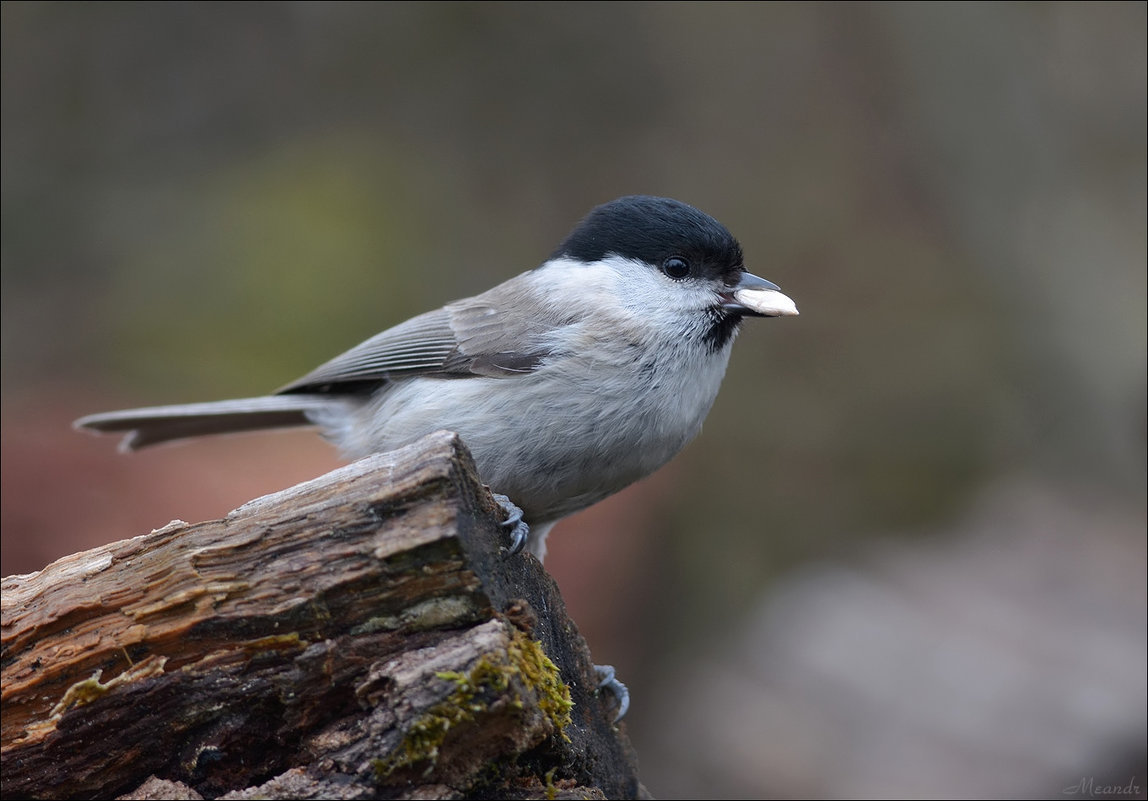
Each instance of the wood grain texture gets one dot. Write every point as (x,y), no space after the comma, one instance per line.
(359,635)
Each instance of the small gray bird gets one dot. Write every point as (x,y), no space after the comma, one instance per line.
(567,382)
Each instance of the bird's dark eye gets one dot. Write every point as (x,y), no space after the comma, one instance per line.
(676,267)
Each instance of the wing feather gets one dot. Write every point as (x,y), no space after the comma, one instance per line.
(472,337)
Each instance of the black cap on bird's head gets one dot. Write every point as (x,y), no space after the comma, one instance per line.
(653,230)
(683,243)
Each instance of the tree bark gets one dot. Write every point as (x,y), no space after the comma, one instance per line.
(361,635)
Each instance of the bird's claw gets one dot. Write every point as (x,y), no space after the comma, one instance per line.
(607,680)
(519,530)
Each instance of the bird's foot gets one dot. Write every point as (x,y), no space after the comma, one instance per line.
(607,680)
(519,530)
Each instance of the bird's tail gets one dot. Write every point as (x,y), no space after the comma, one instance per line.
(157,424)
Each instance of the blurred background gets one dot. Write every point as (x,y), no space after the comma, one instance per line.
(905,558)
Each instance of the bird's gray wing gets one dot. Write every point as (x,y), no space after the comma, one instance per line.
(473,337)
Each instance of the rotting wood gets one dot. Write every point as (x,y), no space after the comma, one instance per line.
(359,635)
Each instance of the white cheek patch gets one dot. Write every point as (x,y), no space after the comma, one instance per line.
(767,302)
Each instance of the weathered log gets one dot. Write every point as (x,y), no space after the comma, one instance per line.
(359,635)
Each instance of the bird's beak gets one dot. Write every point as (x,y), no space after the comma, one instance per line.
(758,297)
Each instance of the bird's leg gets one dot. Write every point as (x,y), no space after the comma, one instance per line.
(608,681)
(519,530)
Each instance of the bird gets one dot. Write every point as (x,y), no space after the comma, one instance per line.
(567,382)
